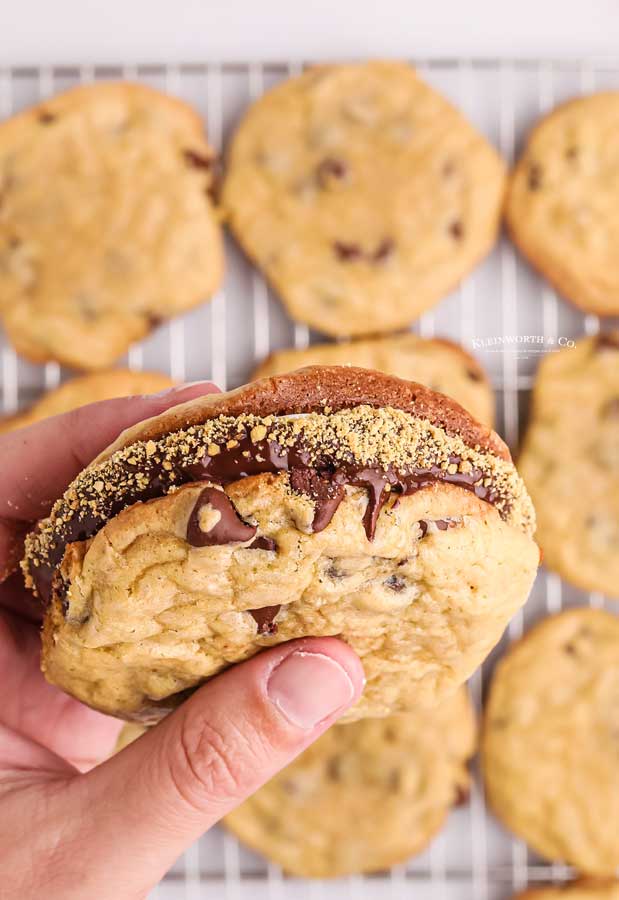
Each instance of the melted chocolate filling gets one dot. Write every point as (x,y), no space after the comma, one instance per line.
(322,481)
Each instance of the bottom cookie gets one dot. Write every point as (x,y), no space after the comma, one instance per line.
(365,796)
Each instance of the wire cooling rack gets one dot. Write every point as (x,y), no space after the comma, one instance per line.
(500,305)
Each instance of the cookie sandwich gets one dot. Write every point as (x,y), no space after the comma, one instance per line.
(328,501)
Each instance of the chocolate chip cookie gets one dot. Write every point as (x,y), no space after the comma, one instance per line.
(563,200)
(550,741)
(364,796)
(578,890)
(570,462)
(439,364)
(328,501)
(106,226)
(88,389)
(362,194)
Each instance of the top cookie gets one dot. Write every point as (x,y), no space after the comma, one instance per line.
(563,201)
(106,226)
(570,462)
(88,389)
(327,501)
(362,194)
(439,364)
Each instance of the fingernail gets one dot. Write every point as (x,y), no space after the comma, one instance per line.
(308,687)
(178,388)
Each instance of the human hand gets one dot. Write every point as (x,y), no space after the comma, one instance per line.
(70,828)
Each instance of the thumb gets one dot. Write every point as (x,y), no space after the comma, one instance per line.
(152,800)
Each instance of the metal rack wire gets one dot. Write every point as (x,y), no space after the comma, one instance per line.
(473,857)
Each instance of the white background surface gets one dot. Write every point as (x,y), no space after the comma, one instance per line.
(88,31)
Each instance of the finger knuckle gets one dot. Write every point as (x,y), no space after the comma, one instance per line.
(207,768)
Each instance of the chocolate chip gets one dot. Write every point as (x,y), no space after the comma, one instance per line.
(384,250)
(462,795)
(213,191)
(423,525)
(153,321)
(534,180)
(334,768)
(456,230)
(347,252)
(571,153)
(197,160)
(611,409)
(87,308)
(570,649)
(441,524)
(351,252)
(214,520)
(500,722)
(395,583)
(607,341)
(448,168)
(474,375)
(289,787)
(394,779)
(334,572)
(263,543)
(46,118)
(264,617)
(331,169)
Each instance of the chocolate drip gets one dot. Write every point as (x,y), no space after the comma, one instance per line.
(378,485)
(327,492)
(264,618)
(214,520)
(322,480)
